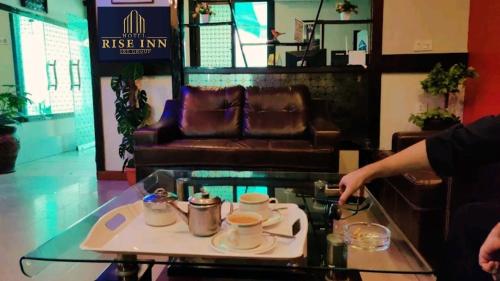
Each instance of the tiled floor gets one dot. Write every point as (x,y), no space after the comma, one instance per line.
(41,199)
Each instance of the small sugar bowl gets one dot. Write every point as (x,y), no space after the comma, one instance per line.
(157,210)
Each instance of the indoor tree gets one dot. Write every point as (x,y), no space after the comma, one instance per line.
(131,108)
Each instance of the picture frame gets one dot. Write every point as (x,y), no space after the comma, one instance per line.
(36,5)
(298,34)
(360,41)
(316,38)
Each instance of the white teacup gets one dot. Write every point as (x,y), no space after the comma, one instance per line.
(245,230)
(258,203)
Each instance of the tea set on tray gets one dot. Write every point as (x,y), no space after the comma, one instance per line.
(244,227)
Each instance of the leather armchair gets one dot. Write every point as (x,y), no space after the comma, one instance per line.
(417,201)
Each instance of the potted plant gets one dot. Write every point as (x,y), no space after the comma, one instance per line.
(203,10)
(434,119)
(131,112)
(441,82)
(345,9)
(11,103)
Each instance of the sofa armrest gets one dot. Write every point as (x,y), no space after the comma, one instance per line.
(424,177)
(324,133)
(160,132)
(164,130)
(402,140)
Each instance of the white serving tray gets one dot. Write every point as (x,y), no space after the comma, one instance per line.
(123,230)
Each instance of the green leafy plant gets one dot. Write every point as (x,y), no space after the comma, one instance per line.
(442,82)
(131,108)
(202,8)
(346,7)
(436,114)
(12,101)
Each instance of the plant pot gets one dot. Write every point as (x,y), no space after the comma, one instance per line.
(9,147)
(131,175)
(204,18)
(345,16)
(438,124)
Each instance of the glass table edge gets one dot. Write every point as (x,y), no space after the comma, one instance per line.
(108,206)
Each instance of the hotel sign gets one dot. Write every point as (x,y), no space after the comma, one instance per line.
(133,33)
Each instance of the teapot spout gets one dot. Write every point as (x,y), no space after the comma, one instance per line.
(183,215)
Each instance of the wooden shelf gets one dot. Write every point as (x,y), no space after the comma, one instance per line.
(292,44)
(340,21)
(275,70)
(207,24)
(217,1)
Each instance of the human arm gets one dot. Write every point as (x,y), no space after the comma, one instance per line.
(465,148)
(489,254)
(460,148)
(411,158)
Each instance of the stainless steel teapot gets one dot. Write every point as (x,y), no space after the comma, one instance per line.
(204,214)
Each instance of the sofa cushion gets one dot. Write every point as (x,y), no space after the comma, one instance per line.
(211,112)
(275,112)
(246,153)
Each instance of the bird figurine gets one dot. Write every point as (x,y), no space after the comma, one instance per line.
(276,34)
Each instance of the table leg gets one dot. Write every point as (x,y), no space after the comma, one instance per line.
(127,271)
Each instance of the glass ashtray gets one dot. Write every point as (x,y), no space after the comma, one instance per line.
(367,236)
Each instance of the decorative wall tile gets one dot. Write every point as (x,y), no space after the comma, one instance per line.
(346,95)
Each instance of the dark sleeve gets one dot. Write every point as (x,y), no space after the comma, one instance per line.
(462,148)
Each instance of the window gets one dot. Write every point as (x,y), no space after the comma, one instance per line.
(219,46)
(251,19)
(43,61)
(215,41)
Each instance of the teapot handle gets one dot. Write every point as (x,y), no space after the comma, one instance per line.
(231,209)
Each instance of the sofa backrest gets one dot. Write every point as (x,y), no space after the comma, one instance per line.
(211,111)
(275,112)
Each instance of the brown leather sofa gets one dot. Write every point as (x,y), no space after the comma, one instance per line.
(238,128)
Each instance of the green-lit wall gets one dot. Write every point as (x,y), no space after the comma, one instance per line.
(40,138)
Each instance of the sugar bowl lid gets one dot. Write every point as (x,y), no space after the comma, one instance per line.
(203,198)
(160,195)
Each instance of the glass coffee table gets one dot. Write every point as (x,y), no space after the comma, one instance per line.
(324,255)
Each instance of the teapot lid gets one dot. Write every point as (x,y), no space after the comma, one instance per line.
(160,195)
(203,198)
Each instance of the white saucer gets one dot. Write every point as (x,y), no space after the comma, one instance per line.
(275,218)
(218,243)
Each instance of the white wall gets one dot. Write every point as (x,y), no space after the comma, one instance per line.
(45,137)
(445,22)
(401,95)
(158,88)
(405,21)
(58,9)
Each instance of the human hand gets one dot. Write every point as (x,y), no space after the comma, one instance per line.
(353,181)
(489,253)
